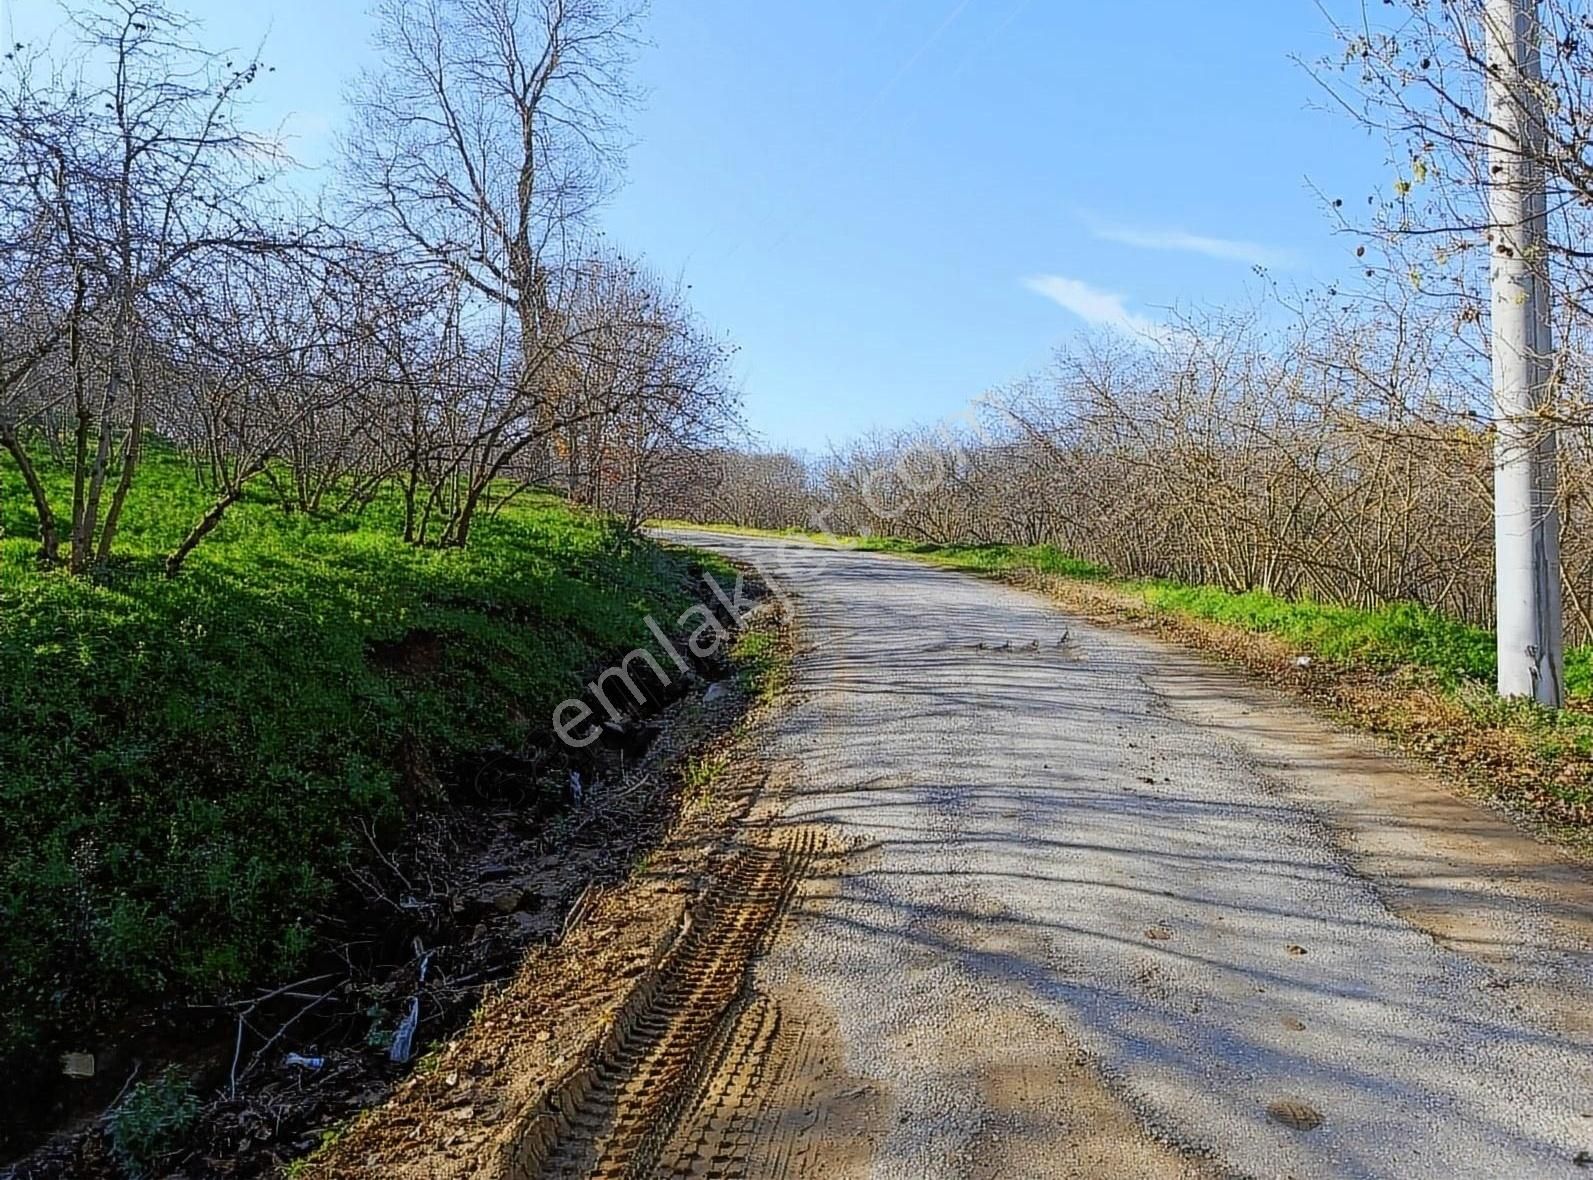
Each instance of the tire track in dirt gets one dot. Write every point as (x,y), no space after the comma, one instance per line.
(715,1138)
(777,1103)
(680,1035)
(1125,914)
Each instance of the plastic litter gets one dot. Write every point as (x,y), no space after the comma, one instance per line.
(404,1038)
(306,1062)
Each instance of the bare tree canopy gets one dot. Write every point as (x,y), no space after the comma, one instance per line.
(489,136)
(451,335)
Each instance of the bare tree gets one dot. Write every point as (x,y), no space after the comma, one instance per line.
(1341,459)
(480,148)
(267,373)
(42,290)
(456,335)
(137,181)
(650,392)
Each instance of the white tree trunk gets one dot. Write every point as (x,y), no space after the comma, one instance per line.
(1526,521)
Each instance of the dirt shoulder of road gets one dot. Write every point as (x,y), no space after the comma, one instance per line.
(508,1094)
(648,1037)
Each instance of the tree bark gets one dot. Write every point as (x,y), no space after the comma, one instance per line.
(49,536)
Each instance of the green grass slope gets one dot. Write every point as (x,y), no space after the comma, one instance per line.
(187,766)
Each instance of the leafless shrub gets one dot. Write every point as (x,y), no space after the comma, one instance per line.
(1340,458)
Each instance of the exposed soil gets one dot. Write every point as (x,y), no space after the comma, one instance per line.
(1487,761)
(1111,910)
(1466,876)
(913,926)
(777,1100)
(616,1116)
(604,1042)
(1097,1134)
(1463,874)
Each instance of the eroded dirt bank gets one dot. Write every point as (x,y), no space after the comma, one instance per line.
(506,853)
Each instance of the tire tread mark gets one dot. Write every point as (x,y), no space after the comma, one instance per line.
(614,1120)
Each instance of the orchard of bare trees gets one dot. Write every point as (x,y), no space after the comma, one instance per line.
(1343,456)
(1338,458)
(440,320)
(441,323)
(1338,444)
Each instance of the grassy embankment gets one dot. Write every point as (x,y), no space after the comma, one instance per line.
(1400,670)
(189,766)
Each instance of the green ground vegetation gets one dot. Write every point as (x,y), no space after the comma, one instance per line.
(188,766)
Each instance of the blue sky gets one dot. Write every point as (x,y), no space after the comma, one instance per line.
(893,205)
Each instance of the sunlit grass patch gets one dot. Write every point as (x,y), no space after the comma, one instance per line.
(187,765)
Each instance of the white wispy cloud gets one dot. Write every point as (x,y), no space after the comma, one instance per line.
(1098,308)
(1226,249)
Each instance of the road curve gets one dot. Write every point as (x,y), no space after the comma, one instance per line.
(1274,950)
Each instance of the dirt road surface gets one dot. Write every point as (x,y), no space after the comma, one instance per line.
(1106,910)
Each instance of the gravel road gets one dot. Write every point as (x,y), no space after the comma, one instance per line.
(1111,911)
